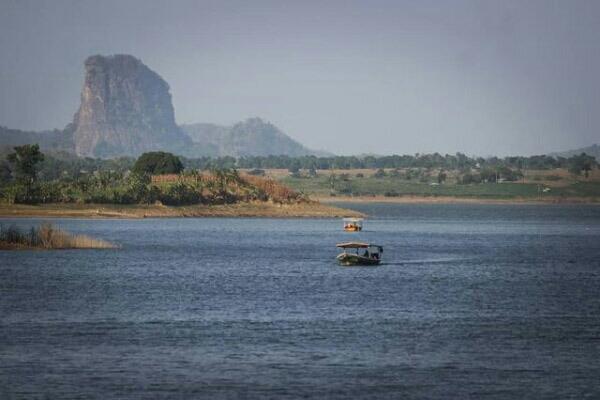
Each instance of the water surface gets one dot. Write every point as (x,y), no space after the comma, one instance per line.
(473,301)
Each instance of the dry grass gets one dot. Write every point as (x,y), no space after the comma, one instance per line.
(274,190)
(48,237)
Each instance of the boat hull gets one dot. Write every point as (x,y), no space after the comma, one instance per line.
(348,259)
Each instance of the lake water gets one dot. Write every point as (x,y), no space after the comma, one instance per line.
(472,301)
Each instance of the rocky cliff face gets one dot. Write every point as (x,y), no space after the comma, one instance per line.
(125,110)
(252,137)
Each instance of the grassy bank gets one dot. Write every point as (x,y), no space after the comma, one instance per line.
(535,187)
(47,237)
(249,209)
(341,200)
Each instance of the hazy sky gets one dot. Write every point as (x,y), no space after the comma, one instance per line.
(481,77)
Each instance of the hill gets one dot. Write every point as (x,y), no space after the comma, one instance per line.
(252,137)
(593,150)
(50,141)
(126,110)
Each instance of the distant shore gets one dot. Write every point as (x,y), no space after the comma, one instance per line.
(253,209)
(455,200)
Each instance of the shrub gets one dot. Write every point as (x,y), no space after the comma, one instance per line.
(180,193)
(469,178)
(138,189)
(14,193)
(380,173)
(257,172)
(395,173)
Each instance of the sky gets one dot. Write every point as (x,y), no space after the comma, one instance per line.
(351,77)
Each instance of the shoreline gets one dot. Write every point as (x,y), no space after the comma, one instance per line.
(455,200)
(239,210)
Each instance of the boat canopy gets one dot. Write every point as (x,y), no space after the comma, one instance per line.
(357,245)
(353,219)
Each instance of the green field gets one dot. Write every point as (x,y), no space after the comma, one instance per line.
(392,187)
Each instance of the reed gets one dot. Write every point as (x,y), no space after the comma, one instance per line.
(46,236)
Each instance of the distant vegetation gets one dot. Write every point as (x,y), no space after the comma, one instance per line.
(27,176)
(31,178)
(46,236)
(458,161)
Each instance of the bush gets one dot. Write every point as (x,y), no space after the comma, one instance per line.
(13,194)
(469,178)
(179,194)
(395,173)
(380,173)
(138,188)
(257,172)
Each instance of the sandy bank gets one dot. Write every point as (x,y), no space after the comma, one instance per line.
(255,209)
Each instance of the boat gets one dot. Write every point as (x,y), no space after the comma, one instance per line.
(364,254)
(353,224)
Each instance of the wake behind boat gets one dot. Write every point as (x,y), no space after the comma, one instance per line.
(364,254)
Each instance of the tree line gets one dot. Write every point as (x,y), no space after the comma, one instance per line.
(23,171)
(31,177)
(458,161)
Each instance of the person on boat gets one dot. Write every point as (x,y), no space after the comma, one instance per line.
(366,253)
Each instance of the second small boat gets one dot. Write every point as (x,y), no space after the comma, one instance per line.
(353,224)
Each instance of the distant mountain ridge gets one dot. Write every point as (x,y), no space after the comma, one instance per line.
(126,110)
(55,140)
(252,137)
(593,150)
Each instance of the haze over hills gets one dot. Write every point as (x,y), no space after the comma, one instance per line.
(593,150)
(53,141)
(126,110)
(252,137)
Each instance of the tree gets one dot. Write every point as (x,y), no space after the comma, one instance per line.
(489,175)
(580,163)
(25,163)
(158,162)
(441,178)
(380,173)
(5,175)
